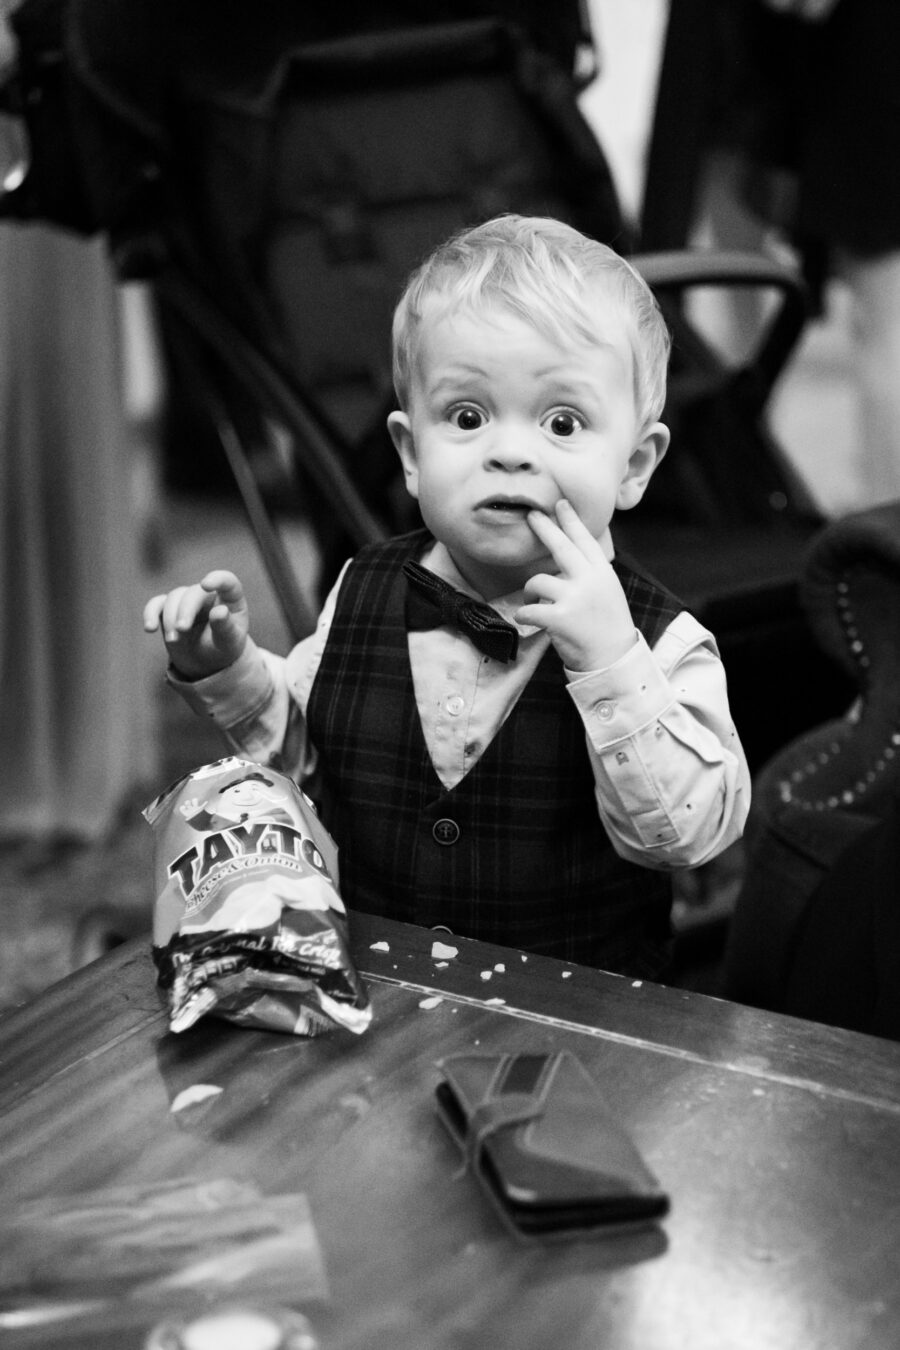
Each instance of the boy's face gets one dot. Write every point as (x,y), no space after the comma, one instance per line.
(503,420)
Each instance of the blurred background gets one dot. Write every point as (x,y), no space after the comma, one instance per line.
(107,498)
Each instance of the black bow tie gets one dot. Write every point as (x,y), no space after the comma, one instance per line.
(432,602)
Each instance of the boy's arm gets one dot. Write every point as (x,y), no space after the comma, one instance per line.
(259,702)
(250,704)
(672,782)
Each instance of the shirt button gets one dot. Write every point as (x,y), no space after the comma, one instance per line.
(605,710)
(445,831)
(455,704)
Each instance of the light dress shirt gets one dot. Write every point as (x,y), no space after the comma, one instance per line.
(672,785)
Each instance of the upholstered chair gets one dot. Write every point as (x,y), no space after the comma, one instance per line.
(816,928)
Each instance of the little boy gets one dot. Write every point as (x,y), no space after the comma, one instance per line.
(527,773)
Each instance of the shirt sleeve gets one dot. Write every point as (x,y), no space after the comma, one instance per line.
(671,778)
(259,701)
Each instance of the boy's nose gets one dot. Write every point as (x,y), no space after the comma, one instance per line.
(511,452)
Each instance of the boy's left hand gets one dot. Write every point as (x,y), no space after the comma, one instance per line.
(583,606)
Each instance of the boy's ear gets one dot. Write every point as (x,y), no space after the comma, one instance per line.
(642,463)
(401,434)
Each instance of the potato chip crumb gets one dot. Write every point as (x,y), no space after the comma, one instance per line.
(198,1092)
(567,974)
(486,974)
(380,947)
(500,966)
(494,1002)
(441,952)
(431,1002)
(636,984)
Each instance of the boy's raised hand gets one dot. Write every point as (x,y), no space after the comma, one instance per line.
(204,626)
(582,606)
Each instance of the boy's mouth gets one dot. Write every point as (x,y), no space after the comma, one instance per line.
(516,506)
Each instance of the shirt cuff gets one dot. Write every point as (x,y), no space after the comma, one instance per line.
(616,702)
(231,695)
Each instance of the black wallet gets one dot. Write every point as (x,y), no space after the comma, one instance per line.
(536,1133)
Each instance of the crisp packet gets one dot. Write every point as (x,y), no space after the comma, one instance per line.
(249,923)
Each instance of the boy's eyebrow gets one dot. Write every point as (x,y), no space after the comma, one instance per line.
(565,383)
(464,368)
(562,375)
(456,373)
(562,369)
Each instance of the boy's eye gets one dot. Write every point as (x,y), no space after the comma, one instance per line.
(467,419)
(563,424)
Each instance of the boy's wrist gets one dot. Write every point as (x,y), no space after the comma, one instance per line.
(180,675)
(600,656)
(206,665)
(615,701)
(187,677)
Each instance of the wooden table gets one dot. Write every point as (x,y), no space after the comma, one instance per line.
(778,1141)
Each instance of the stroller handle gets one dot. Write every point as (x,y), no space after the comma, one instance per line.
(685,270)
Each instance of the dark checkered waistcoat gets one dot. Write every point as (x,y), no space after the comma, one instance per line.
(528,863)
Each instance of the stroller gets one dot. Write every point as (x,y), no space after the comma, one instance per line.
(276,175)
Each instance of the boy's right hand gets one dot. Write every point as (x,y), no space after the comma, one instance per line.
(204,626)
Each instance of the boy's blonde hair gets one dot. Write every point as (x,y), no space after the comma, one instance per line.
(548,274)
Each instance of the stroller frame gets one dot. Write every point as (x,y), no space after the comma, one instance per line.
(199,219)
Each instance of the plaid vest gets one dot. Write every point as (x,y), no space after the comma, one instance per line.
(513,854)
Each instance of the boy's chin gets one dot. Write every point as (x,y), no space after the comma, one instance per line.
(496,574)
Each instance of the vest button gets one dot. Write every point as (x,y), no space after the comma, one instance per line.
(445,831)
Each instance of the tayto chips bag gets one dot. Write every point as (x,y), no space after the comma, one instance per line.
(249,922)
